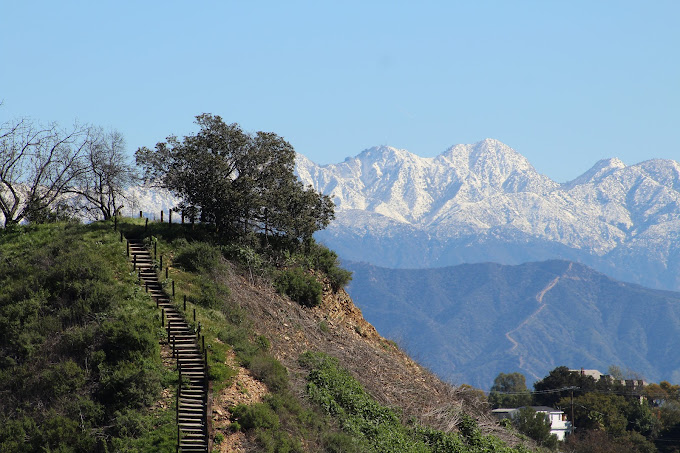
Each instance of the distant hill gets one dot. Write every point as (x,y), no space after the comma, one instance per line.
(470,322)
(486,203)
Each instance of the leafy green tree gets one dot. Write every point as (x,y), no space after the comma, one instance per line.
(557,384)
(597,411)
(641,418)
(509,390)
(601,442)
(535,425)
(238,181)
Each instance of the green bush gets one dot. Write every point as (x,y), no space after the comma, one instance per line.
(277,442)
(62,379)
(238,338)
(270,371)
(299,286)
(326,260)
(198,256)
(258,415)
(211,294)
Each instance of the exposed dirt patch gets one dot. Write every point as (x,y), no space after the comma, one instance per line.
(338,328)
(244,390)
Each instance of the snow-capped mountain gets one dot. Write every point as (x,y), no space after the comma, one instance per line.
(486,202)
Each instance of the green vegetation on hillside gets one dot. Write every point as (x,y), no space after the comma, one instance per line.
(80,367)
(376,428)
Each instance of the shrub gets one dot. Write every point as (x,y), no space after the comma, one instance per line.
(339,277)
(258,415)
(238,338)
(300,287)
(326,260)
(211,294)
(270,371)
(198,256)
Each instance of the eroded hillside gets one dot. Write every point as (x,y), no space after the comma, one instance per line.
(336,327)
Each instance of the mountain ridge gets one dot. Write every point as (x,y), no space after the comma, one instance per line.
(472,321)
(487,193)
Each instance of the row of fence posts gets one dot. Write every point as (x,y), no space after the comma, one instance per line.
(199,338)
(192,218)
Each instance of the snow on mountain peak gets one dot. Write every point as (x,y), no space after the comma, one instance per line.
(412,189)
(599,171)
(487,193)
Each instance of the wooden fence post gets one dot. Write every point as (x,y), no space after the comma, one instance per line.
(185,302)
(173,286)
(161,216)
(140,214)
(169,218)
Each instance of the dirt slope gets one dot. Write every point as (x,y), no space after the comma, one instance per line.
(337,328)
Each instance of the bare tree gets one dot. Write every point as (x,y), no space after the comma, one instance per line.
(107,172)
(37,166)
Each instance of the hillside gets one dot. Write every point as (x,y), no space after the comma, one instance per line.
(486,203)
(263,353)
(470,322)
(80,362)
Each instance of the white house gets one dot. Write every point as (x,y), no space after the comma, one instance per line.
(559,425)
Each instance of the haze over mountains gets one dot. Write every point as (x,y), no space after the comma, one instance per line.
(486,203)
(472,321)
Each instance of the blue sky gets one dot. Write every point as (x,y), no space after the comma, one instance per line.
(565,83)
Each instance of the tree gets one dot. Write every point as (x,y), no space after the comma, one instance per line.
(535,425)
(106,174)
(597,411)
(38,165)
(509,390)
(601,442)
(559,383)
(238,181)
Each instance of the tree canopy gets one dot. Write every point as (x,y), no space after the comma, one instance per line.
(509,390)
(236,180)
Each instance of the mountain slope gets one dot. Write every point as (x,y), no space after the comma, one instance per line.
(485,202)
(470,322)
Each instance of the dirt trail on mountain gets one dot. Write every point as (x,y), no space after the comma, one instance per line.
(539,298)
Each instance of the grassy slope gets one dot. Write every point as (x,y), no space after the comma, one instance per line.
(80,367)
